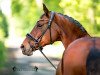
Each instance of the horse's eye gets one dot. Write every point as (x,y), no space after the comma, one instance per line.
(39,25)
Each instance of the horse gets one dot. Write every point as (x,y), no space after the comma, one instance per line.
(82,57)
(53,27)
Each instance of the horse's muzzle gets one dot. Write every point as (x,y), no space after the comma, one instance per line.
(27,52)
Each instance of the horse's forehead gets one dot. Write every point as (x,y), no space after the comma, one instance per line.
(43,16)
(43,19)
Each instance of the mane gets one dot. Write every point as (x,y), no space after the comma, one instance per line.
(74,21)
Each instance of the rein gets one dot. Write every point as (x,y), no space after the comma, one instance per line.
(38,40)
(47,59)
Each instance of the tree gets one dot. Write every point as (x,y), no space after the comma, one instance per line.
(27,12)
(3,26)
(3,34)
(86,11)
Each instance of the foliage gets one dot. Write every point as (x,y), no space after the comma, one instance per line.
(3,26)
(17,7)
(2,54)
(3,35)
(27,12)
(53,5)
(86,11)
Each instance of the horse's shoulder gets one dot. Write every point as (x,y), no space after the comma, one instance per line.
(78,43)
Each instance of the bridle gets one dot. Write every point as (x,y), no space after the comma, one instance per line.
(48,27)
(37,41)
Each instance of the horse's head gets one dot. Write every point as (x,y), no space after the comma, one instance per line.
(44,33)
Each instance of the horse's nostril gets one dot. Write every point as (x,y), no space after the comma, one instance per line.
(22,46)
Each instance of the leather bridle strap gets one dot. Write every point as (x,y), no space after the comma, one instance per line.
(49,27)
(31,37)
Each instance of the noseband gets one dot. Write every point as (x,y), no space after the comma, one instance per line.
(48,27)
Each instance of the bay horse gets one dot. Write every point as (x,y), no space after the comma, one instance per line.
(53,27)
(82,57)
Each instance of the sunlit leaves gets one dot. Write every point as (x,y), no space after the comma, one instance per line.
(86,11)
(16,7)
(3,26)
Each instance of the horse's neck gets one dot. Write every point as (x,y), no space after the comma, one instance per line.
(66,40)
(68,31)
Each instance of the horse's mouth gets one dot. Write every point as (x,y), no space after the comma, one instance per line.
(28,52)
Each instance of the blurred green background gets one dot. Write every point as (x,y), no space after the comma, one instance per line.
(18,17)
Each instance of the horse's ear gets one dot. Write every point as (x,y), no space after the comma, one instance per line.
(46,11)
